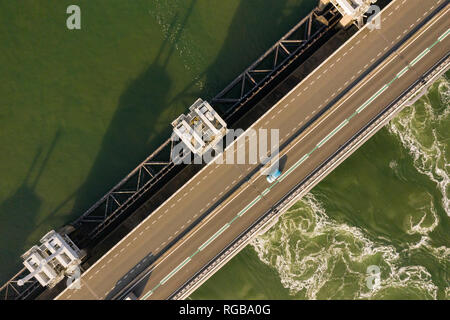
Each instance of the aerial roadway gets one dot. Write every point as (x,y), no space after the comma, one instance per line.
(353,85)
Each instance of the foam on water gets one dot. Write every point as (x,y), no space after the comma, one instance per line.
(420,128)
(421,226)
(424,228)
(317,257)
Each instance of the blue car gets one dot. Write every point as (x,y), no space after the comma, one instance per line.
(273,175)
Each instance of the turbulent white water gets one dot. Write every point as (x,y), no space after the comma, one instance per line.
(311,253)
(317,257)
(421,130)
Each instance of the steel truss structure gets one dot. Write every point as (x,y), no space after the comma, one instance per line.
(12,291)
(122,195)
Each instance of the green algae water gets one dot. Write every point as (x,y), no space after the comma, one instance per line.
(80,108)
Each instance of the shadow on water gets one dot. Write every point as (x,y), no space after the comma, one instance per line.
(125,142)
(27,203)
(254,29)
(127,138)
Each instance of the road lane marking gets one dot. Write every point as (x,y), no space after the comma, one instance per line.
(332,133)
(251,204)
(376,95)
(420,56)
(402,72)
(215,235)
(354,114)
(441,38)
(170,275)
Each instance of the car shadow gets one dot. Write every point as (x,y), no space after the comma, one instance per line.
(136,278)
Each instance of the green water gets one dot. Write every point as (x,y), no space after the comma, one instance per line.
(79,109)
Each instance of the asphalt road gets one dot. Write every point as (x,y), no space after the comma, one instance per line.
(222,200)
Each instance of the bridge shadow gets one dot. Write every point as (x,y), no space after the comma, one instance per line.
(26,203)
(253,30)
(126,141)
